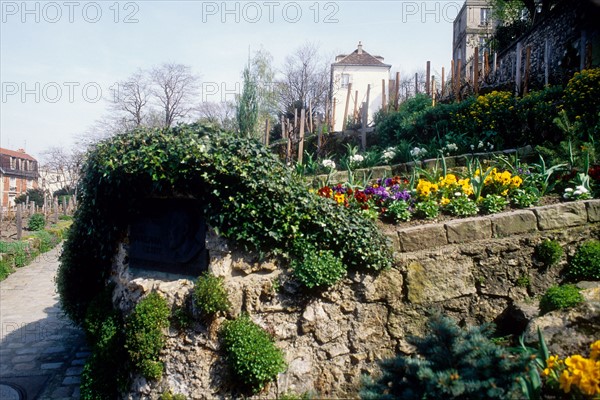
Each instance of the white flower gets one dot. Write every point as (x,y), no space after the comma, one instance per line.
(577,193)
(357,158)
(452,147)
(490,146)
(480,144)
(581,189)
(389,154)
(568,190)
(329,164)
(457,194)
(472,147)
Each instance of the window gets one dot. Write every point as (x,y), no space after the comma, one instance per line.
(345,80)
(13,185)
(485,16)
(29,183)
(13,163)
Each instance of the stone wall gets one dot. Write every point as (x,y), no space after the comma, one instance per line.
(475,270)
(558,48)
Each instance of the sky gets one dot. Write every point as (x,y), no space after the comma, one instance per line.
(61,60)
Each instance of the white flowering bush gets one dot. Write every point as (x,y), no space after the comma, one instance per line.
(329,164)
(357,159)
(579,193)
(418,152)
(388,154)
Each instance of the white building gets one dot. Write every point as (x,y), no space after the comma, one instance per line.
(357,70)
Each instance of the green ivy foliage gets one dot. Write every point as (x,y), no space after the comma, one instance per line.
(452,363)
(251,354)
(585,264)
(249,196)
(210,296)
(144,337)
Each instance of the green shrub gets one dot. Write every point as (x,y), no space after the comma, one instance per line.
(560,297)
(493,204)
(251,354)
(428,209)
(47,240)
(451,363)
(144,337)
(317,268)
(549,252)
(65,217)
(104,373)
(248,195)
(210,296)
(36,222)
(170,396)
(585,264)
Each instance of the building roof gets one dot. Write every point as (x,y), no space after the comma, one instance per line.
(19,153)
(360,57)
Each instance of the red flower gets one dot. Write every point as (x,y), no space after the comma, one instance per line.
(594,172)
(325,191)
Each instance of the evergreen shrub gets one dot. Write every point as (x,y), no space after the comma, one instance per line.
(210,296)
(549,252)
(144,337)
(450,363)
(560,297)
(251,354)
(585,264)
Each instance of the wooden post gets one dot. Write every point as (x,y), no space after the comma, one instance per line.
(588,55)
(582,50)
(495,63)
(527,67)
(355,113)
(397,94)
(295,118)
(427,75)
(433,90)
(457,81)
(486,64)
(19,221)
(310,117)
(56,210)
(416,83)
(518,69)
(476,71)
(383,97)
(443,82)
(363,129)
(333,115)
(64,204)
(368,98)
(31,208)
(301,142)
(348,95)
(546,62)
(267,130)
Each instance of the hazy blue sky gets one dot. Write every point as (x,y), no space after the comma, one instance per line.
(59,60)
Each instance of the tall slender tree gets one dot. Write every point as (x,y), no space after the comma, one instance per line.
(247,105)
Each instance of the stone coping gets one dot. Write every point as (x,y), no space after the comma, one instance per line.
(537,219)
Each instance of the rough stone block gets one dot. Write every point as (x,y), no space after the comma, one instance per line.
(468,230)
(559,216)
(593,210)
(513,223)
(422,237)
(430,280)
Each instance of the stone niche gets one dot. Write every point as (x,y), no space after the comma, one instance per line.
(169,235)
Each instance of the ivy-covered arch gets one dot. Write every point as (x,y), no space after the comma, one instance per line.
(248,196)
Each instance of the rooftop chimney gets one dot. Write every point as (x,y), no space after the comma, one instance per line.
(359,47)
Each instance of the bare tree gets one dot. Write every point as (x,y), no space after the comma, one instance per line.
(60,169)
(219,113)
(174,89)
(130,100)
(305,79)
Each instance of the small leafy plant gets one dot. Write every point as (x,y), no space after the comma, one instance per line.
(398,211)
(36,222)
(251,354)
(462,206)
(585,264)
(493,204)
(524,198)
(210,296)
(560,297)
(144,337)
(549,252)
(428,209)
(317,268)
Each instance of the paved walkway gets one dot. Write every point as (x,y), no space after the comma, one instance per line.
(41,353)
